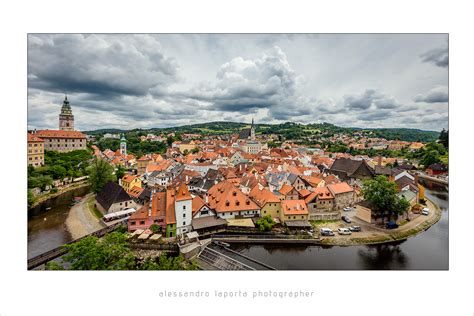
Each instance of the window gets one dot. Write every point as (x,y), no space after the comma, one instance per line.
(184,223)
(133,223)
(230,213)
(184,215)
(184,207)
(142,222)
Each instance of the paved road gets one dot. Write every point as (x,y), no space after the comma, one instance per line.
(81,221)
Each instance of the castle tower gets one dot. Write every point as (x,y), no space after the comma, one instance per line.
(252,131)
(123,145)
(66,119)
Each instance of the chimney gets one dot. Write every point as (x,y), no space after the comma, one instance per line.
(416,178)
(207,198)
(379,161)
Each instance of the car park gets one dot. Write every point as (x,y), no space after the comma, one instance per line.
(343,231)
(355,229)
(346,219)
(326,232)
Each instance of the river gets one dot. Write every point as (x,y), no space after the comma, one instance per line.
(425,251)
(47,228)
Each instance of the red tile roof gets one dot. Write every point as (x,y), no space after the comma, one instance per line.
(339,188)
(34,139)
(294,207)
(182,193)
(59,134)
(226,197)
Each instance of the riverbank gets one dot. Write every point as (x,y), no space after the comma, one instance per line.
(378,235)
(48,196)
(81,221)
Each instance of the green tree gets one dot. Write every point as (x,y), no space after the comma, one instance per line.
(444,138)
(155,228)
(120,172)
(100,173)
(401,206)
(265,223)
(381,193)
(109,253)
(31,198)
(166,262)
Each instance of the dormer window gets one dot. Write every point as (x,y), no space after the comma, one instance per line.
(237,203)
(227,203)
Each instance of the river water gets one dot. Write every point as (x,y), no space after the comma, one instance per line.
(425,251)
(47,228)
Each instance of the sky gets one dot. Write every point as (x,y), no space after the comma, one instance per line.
(161,80)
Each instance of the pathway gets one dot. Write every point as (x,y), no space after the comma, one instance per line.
(81,221)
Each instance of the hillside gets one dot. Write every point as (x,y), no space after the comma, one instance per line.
(287,130)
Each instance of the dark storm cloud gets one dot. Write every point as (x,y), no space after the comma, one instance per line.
(438,56)
(130,81)
(370,98)
(98,64)
(374,115)
(438,94)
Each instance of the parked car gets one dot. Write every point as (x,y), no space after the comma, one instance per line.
(391,225)
(355,228)
(343,231)
(425,211)
(346,219)
(326,232)
(347,209)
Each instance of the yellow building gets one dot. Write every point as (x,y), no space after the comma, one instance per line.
(35,151)
(129,181)
(269,203)
(293,210)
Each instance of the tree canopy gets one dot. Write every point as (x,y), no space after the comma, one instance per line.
(382,193)
(100,173)
(113,253)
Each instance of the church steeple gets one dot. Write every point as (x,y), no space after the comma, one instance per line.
(66,119)
(252,131)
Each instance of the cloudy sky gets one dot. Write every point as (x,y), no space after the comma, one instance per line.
(144,81)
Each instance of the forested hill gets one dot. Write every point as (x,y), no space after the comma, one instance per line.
(288,130)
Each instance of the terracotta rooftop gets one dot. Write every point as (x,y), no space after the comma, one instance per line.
(182,193)
(285,189)
(47,133)
(226,197)
(339,188)
(34,139)
(294,207)
(264,196)
(128,178)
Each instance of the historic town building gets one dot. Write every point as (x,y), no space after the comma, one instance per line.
(66,138)
(66,119)
(35,151)
(62,141)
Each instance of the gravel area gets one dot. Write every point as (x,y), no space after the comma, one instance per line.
(81,221)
